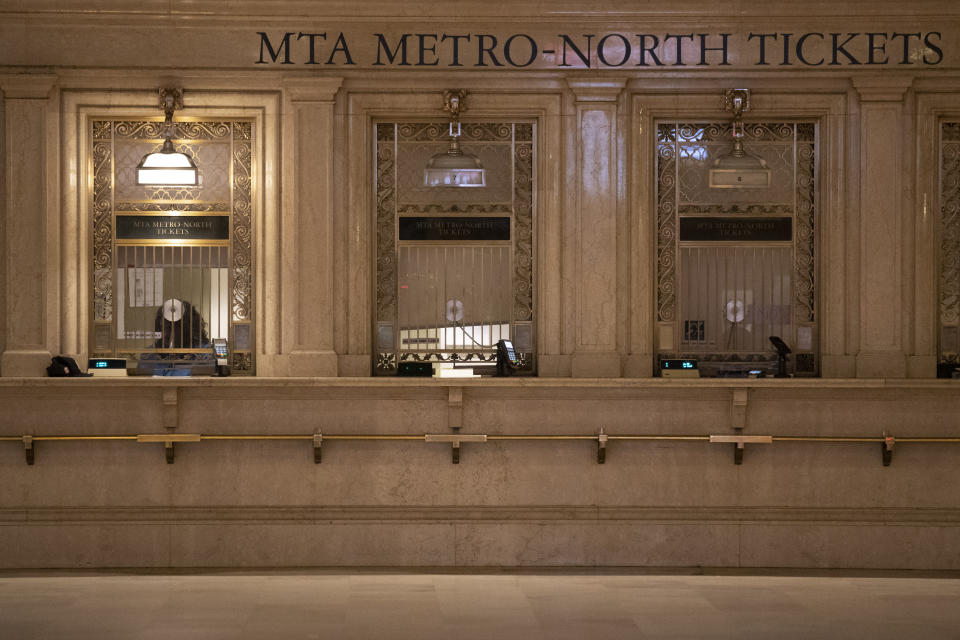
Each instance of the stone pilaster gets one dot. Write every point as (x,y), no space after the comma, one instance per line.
(883,348)
(598,161)
(307,237)
(30,236)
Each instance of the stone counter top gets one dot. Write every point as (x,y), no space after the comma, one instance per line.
(392,382)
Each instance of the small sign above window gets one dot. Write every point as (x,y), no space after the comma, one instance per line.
(735,229)
(463,229)
(172,228)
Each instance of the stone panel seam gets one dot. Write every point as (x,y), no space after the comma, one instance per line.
(364,514)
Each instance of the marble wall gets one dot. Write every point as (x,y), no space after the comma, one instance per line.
(595,268)
(261,502)
(878,103)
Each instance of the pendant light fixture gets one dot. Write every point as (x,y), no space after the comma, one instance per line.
(739,169)
(168,167)
(454,168)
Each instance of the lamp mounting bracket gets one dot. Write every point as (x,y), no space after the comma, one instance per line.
(453,102)
(736,101)
(171,99)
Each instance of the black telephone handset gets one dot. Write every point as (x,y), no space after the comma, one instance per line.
(507,359)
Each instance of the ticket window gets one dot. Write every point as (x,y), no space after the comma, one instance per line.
(455,266)
(173,266)
(737,265)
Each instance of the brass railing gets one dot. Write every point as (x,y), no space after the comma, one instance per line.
(739,440)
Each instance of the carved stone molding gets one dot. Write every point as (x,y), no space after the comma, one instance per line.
(35,87)
(882,88)
(605,90)
(311,89)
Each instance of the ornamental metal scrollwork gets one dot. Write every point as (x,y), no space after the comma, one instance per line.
(242,361)
(746,209)
(140,130)
(488,131)
(386,362)
(419,208)
(199,207)
(102,211)
(523,132)
(211,131)
(949,232)
(706,132)
(155,130)
(666,227)
(453,356)
(523,232)
(951,132)
(472,131)
(804,258)
(386,226)
(242,223)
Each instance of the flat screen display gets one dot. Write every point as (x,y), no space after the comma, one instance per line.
(674,364)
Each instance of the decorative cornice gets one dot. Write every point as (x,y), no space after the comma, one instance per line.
(27,86)
(311,89)
(597,90)
(415,10)
(882,88)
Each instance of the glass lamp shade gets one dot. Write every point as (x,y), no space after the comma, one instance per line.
(454,169)
(167,167)
(739,170)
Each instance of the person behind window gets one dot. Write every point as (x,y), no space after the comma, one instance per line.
(180,326)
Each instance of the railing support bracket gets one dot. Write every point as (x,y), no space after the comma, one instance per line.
(455,439)
(888,442)
(602,447)
(739,441)
(168,440)
(317,443)
(28,449)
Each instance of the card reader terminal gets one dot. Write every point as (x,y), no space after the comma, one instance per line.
(220,352)
(507,359)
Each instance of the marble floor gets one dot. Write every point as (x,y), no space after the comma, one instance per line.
(496,605)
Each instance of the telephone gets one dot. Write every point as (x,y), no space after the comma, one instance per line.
(507,359)
(221,354)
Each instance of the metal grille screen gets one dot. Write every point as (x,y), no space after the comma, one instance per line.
(734,298)
(949,242)
(453,298)
(172,297)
